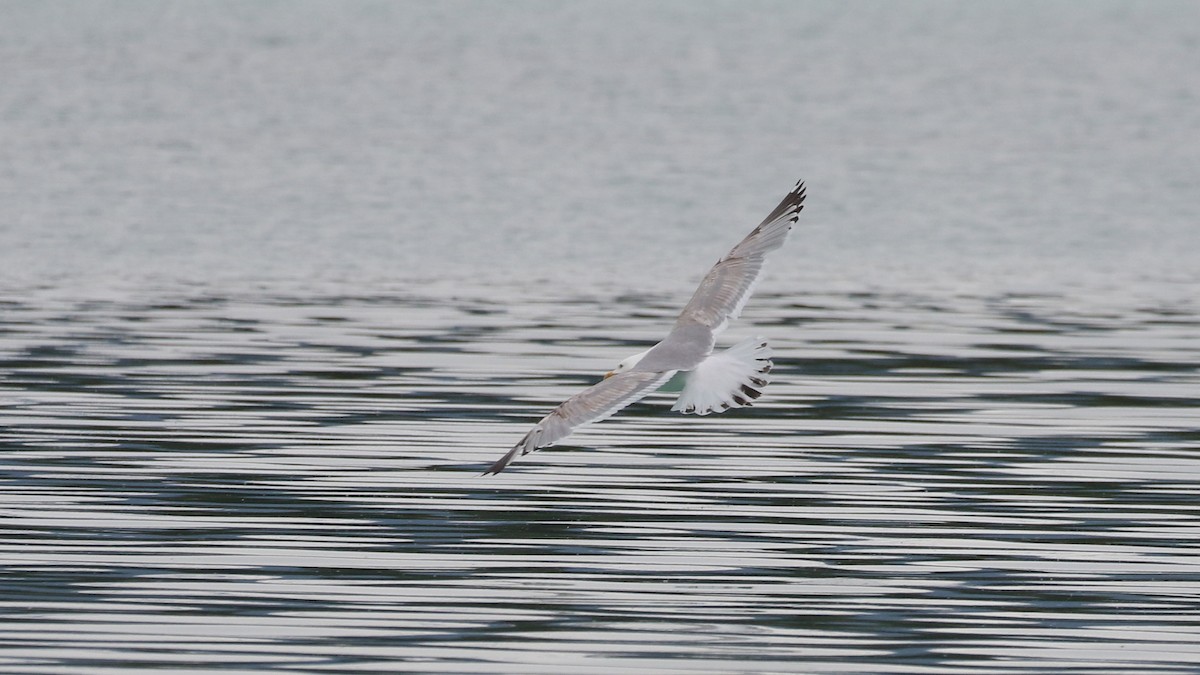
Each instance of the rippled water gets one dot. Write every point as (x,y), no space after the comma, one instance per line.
(278,281)
(932,484)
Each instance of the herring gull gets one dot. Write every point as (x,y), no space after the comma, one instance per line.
(733,378)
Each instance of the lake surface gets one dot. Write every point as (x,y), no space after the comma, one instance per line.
(279,281)
(931,484)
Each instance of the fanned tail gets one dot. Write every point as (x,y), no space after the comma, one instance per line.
(733,378)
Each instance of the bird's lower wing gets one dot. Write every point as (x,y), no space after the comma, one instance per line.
(593,404)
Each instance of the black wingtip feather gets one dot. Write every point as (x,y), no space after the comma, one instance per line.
(790,207)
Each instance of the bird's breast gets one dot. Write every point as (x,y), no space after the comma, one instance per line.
(683,349)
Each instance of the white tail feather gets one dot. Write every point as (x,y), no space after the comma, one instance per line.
(730,379)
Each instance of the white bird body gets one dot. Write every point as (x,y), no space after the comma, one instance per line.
(714,382)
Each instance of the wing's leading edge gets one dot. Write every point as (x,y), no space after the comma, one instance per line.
(728,285)
(597,402)
(724,291)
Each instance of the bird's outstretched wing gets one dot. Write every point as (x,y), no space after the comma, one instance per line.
(728,285)
(597,402)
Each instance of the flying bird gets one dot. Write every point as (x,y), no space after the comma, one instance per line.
(712,382)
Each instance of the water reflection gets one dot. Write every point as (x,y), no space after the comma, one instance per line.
(931,484)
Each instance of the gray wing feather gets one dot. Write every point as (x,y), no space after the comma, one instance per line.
(597,402)
(728,285)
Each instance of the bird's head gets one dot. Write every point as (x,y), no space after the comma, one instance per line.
(626,364)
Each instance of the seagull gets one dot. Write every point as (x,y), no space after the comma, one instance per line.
(712,382)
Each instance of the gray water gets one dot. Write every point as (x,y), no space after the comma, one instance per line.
(278,281)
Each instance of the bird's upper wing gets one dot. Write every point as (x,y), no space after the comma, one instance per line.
(728,285)
(593,404)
